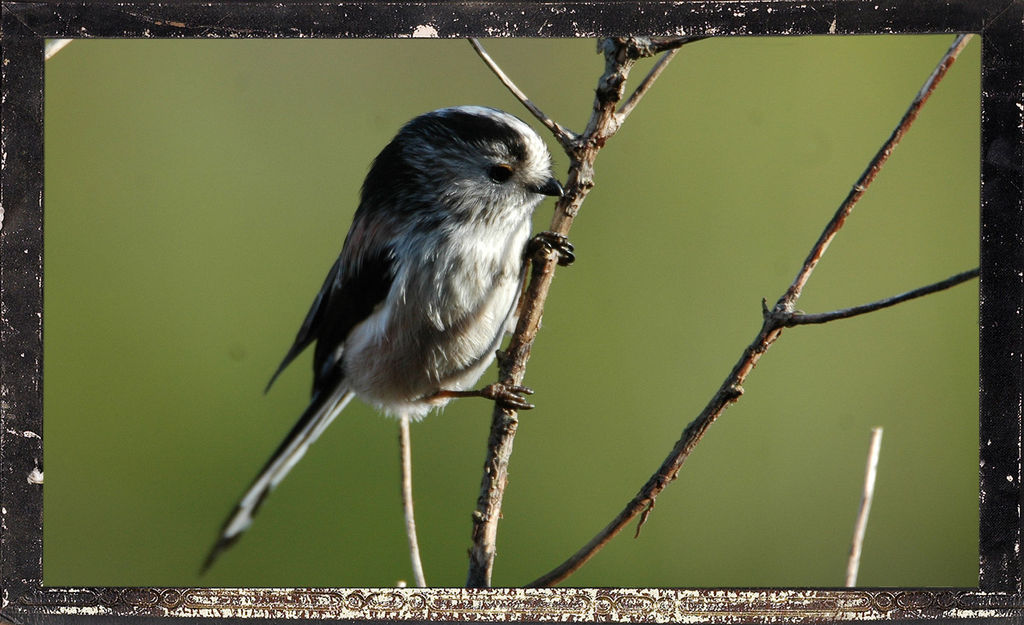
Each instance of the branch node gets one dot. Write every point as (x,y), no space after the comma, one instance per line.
(780,316)
(801,318)
(733,392)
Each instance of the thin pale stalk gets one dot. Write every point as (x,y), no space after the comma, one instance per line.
(867,495)
(53,46)
(405,446)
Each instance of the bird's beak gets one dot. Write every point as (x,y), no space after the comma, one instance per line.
(550,187)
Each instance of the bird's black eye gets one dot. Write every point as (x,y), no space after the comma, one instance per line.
(500,173)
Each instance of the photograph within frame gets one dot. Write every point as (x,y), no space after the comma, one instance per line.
(177,602)
(193,203)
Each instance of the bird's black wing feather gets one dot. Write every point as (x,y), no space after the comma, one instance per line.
(349,294)
(314,318)
(360,295)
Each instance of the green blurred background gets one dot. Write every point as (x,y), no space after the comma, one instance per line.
(198,191)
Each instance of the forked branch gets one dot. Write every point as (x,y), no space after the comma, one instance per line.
(774,321)
(801,319)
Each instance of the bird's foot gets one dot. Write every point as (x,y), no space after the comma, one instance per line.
(542,242)
(509,396)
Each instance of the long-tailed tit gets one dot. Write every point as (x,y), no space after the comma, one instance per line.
(427,283)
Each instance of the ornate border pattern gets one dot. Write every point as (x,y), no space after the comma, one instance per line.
(650,605)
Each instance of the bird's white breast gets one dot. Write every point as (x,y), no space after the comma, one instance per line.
(452,301)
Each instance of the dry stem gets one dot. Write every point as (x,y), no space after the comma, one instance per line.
(800,319)
(405,447)
(562,134)
(868,494)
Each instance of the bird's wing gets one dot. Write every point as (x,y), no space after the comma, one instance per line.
(351,291)
(364,289)
(311,324)
(321,411)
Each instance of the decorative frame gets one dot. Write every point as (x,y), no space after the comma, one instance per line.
(25,26)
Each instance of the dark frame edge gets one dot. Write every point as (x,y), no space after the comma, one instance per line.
(1001,291)
(517,18)
(21,292)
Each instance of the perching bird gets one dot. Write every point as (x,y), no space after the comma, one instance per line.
(427,283)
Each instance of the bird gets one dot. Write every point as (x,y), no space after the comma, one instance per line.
(427,283)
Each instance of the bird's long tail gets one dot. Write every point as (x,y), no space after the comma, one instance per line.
(321,411)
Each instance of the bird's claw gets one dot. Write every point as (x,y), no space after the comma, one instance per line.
(557,243)
(509,396)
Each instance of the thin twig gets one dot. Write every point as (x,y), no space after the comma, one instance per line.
(655,45)
(645,84)
(868,494)
(664,44)
(774,322)
(799,319)
(405,445)
(879,160)
(564,136)
(621,53)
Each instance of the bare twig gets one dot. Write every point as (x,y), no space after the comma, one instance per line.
(876,164)
(664,44)
(564,136)
(645,84)
(868,494)
(771,328)
(621,54)
(405,446)
(656,45)
(799,319)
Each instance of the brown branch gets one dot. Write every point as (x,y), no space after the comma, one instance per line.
(880,158)
(772,326)
(664,44)
(620,56)
(800,319)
